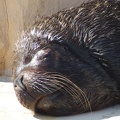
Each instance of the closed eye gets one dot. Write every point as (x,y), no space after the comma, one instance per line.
(62,44)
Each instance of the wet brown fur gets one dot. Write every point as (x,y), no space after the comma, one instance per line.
(69,62)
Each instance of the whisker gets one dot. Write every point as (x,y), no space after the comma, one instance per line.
(55,81)
(77,89)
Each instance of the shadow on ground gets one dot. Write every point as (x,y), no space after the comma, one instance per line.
(112,113)
(5,79)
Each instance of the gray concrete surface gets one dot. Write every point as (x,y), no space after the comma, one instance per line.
(11,109)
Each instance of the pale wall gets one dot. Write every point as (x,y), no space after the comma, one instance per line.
(16,15)
(4,44)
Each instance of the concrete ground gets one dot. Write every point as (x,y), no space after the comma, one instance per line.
(11,109)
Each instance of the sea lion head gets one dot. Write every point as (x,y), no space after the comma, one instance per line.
(60,67)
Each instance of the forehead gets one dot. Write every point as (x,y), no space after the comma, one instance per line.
(49,29)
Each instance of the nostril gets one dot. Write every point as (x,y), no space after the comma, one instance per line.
(19,83)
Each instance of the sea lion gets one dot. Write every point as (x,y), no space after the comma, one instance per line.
(69,62)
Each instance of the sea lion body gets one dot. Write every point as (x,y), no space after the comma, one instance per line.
(69,62)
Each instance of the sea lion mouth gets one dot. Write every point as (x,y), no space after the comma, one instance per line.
(24,97)
(45,103)
(49,94)
(42,104)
